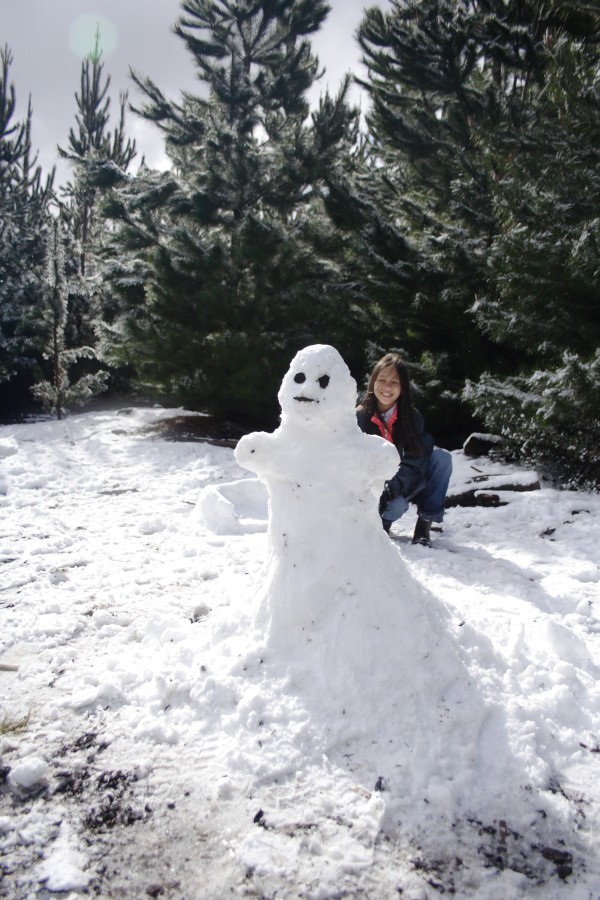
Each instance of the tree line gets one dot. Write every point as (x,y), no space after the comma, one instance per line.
(456,223)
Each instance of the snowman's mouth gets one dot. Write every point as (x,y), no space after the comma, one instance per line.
(305,400)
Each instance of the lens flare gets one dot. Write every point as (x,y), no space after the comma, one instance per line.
(84,31)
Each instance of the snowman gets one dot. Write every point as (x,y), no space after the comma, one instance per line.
(324,477)
(340,621)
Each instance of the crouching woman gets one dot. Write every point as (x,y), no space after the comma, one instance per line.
(424,472)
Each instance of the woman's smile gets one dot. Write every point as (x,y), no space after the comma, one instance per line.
(387,388)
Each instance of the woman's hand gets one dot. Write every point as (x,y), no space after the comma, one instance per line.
(385,498)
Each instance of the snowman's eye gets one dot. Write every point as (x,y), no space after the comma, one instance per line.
(300,377)
(323,381)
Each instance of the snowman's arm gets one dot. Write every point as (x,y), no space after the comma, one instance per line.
(252,451)
(382,460)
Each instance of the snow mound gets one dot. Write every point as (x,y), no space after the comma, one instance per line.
(236,507)
(8,446)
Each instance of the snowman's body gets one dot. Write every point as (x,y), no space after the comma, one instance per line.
(324,476)
(351,636)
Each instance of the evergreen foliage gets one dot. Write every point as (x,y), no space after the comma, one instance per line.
(462,227)
(24,202)
(426,194)
(543,297)
(226,265)
(37,321)
(550,418)
(57,393)
(486,117)
(93,149)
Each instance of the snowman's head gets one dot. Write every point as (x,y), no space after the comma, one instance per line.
(318,389)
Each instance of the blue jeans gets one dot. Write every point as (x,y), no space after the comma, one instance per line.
(430,495)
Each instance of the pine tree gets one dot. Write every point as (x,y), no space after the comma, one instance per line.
(485,114)
(545,261)
(58,393)
(430,90)
(93,150)
(544,256)
(386,269)
(90,145)
(24,202)
(225,280)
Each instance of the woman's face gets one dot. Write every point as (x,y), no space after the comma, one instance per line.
(387,388)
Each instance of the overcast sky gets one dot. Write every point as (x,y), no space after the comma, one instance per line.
(48,38)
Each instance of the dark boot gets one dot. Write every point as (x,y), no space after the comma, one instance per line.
(422,533)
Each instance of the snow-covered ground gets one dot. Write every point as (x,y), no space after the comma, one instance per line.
(151,744)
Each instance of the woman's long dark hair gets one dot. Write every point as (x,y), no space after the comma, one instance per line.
(406,414)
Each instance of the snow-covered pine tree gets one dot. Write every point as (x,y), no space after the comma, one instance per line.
(57,393)
(216,262)
(431,88)
(24,199)
(485,112)
(389,276)
(544,260)
(93,149)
